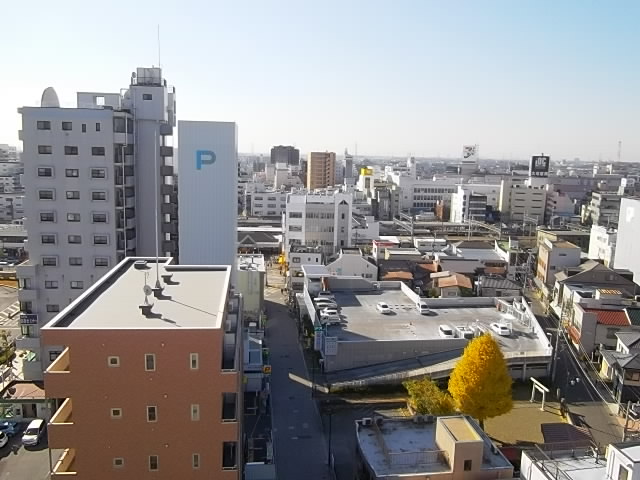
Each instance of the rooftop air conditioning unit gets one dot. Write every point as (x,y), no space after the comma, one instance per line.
(367,421)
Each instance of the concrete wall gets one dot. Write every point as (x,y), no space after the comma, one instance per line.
(365,353)
(628,233)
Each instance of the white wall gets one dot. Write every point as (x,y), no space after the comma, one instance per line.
(208,195)
(353,265)
(628,235)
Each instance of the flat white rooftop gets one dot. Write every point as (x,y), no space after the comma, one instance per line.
(194,297)
(361,321)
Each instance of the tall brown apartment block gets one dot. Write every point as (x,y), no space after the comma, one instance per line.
(321,170)
(149,382)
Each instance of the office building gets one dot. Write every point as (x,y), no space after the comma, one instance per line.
(11,170)
(208,192)
(321,170)
(628,234)
(95,176)
(348,167)
(285,154)
(149,383)
(267,203)
(318,219)
(553,257)
(522,202)
(467,205)
(603,209)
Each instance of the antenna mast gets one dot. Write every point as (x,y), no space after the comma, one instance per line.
(159,63)
(619,150)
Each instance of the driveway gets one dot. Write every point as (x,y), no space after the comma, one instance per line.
(18,463)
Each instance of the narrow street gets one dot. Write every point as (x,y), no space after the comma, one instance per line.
(300,448)
(584,401)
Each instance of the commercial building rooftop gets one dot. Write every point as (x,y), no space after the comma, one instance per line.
(361,320)
(193,296)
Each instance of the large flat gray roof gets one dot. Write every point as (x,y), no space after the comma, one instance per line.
(361,321)
(195,297)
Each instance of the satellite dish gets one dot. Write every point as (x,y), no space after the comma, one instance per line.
(147,290)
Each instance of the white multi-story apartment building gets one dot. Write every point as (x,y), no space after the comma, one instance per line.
(95,177)
(11,207)
(10,169)
(467,204)
(518,201)
(602,244)
(318,219)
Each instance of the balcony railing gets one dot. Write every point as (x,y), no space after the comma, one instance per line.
(64,414)
(60,364)
(65,467)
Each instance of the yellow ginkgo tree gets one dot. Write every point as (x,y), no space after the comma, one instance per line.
(480,383)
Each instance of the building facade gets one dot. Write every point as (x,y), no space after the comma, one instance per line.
(321,170)
(92,191)
(128,371)
(602,244)
(553,257)
(208,197)
(318,219)
(268,203)
(285,154)
(628,233)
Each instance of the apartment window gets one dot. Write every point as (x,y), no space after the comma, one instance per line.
(43,125)
(152,414)
(229,406)
(101,262)
(76,285)
(229,460)
(153,462)
(113,361)
(70,150)
(50,284)
(467,465)
(195,412)
(150,362)
(45,149)
(295,214)
(72,172)
(116,413)
(84,128)
(53,308)
(147,96)
(98,196)
(100,240)
(193,361)
(118,462)
(97,151)
(295,259)
(45,172)
(73,195)
(53,354)
(98,173)
(99,217)
(67,126)
(46,195)
(97,126)
(50,261)
(75,261)
(73,217)
(48,239)
(74,239)
(195,460)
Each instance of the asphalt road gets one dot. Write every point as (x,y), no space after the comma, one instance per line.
(300,449)
(18,463)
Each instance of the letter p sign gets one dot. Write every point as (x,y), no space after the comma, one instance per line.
(204,157)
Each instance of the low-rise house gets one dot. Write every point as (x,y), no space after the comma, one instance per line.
(351,262)
(553,257)
(622,366)
(451,284)
(497,287)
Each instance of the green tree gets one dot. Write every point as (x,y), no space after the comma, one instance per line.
(425,397)
(480,383)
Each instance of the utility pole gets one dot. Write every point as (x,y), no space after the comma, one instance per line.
(626,422)
(554,366)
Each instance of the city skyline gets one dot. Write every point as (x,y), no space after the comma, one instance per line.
(418,78)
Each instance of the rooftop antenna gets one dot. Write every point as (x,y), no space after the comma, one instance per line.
(159,63)
(619,150)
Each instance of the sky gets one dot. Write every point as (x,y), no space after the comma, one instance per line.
(393,77)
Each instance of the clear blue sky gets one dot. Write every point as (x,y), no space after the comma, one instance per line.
(395,77)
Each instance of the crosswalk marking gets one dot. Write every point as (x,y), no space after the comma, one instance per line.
(9,316)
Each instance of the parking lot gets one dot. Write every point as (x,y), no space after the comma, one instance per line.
(18,463)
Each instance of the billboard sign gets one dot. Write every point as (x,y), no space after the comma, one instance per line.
(28,319)
(539,166)
(204,157)
(470,153)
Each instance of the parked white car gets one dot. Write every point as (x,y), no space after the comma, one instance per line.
(4,439)
(422,307)
(34,432)
(446,331)
(321,304)
(325,294)
(383,307)
(501,329)
(329,311)
(464,331)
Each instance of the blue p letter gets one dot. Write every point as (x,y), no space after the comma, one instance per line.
(204,157)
